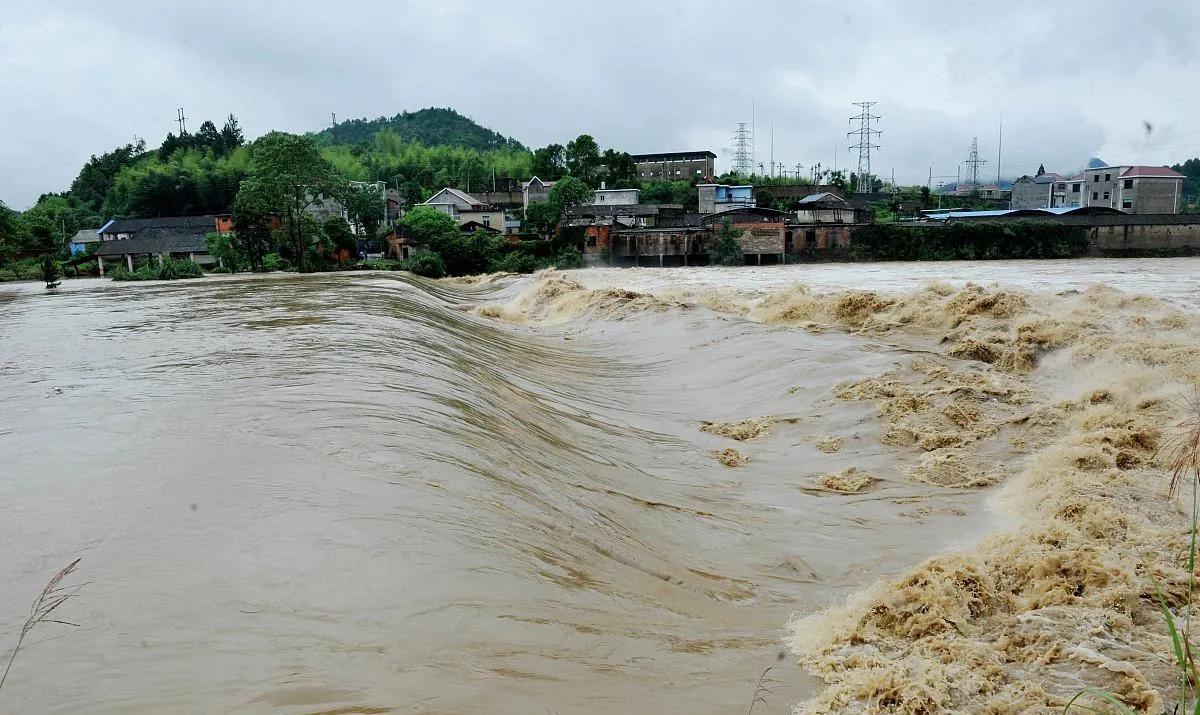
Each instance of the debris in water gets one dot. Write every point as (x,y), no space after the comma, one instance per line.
(849,481)
(730,457)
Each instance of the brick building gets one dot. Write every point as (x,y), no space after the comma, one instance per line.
(676,166)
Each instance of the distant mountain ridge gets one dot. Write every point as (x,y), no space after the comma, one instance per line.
(433,126)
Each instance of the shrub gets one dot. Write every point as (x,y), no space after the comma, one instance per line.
(169,270)
(969,241)
(274,262)
(425,263)
(26,269)
(517,262)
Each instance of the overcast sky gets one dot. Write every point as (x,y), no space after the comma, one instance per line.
(1072,78)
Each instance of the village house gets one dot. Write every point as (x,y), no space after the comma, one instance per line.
(822,222)
(616,197)
(464,209)
(1043,191)
(135,239)
(83,239)
(723,197)
(535,190)
(1131,189)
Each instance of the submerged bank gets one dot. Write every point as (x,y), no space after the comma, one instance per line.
(507,495)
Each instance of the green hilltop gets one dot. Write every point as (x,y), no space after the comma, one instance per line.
(432,126)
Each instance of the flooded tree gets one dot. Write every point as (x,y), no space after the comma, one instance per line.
(726,251)
(290,175)
(51,271)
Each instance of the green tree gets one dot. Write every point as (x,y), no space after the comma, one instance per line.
(582,158)
(289,176)
(252,222)
(96,177)
(231,135)
(726,251)
(209,137)
(549,163)
(425,224)
(340,236)
(8,233)
(366,207)
(621,171)
(227,250)
(541,217)
(567,192)
(51,271)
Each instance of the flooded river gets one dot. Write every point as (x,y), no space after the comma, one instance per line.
(369,493)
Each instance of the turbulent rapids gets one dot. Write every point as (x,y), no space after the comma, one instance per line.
(913,489)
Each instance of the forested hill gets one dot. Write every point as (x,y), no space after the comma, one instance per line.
(432,127)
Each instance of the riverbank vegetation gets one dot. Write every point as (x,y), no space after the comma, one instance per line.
(968,241)
(168,269)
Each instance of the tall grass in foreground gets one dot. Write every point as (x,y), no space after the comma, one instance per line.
(47,602)
(1181,455)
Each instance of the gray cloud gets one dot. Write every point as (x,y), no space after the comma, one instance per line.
(1072,79)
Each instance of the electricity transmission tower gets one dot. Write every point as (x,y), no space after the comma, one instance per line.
(864,145)
(973,163)
(743,160)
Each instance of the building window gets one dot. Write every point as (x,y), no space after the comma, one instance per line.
(1060,187)
(1127,203)
(1096,179)
(487,221)
(1075,188)
(1106,196)
(1129,183)
(1108,177)
(591,241)
(1095,195)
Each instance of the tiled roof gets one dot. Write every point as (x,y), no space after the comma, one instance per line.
(1146,171)
(155,242)
(134,226)
(461,196)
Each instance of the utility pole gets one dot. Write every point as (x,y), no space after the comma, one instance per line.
(999,150)
(973,163)
(753,131)
(864,145)
(799,166)
(332,119)
(742,161)
(182,121)
(772,149)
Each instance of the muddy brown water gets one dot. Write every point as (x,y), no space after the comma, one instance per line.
(344,493)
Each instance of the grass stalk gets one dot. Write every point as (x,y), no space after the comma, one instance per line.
(52,596)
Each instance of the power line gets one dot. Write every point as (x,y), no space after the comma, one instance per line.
(864,145)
